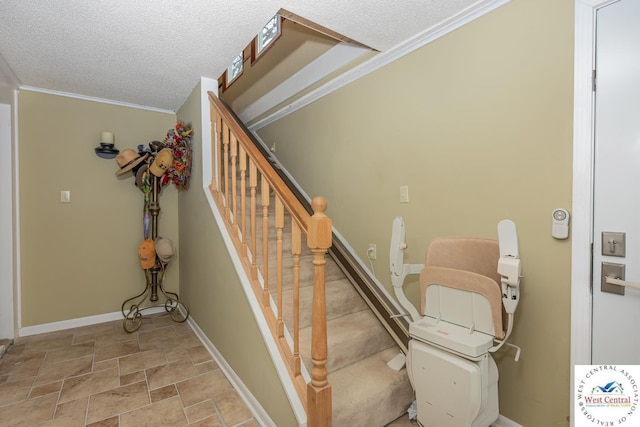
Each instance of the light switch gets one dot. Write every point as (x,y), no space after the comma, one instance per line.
(65,196)
(404,194)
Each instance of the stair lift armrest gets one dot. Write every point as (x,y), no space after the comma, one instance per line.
(411,269)
(398,283)
(407,270)
(509,269)
(400,270)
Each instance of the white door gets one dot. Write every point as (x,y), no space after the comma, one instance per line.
(616,318)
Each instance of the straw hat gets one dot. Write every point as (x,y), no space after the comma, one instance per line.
(128,159)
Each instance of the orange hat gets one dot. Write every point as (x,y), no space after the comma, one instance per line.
(162,162)
(147,254)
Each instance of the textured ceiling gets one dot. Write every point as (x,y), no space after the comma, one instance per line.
(153,52)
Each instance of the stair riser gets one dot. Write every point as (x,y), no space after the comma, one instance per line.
(350,339)
(342,300)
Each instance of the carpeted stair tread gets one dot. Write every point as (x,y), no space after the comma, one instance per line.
(369,393)
(349,338)
(342,299)
(332,271)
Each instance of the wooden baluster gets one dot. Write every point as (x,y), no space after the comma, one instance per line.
(279,226)
(233,145)
(264,190)
(222,129)
(296,249)
(243,198)
(225,142)
(219,157)
(319,390)
(253,183)
(214,117)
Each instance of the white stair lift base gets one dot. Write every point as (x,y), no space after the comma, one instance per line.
(455,385)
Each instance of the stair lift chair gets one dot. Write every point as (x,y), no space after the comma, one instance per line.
(469,290)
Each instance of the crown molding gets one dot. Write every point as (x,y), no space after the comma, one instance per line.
(95,99)
(429,35)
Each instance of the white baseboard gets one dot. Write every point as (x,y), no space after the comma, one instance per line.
(68,324)
(78,322)
(254,406)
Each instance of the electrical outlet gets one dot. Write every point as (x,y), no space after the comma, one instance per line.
(371,251)
(65,196)
(404,194)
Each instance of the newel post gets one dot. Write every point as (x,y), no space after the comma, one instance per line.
(319,390)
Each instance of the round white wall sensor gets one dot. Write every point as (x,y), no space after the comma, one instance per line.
(560,224)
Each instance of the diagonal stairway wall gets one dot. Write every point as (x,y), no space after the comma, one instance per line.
(269,221)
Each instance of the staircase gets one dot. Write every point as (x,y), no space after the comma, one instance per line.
(318,319)
(365,391)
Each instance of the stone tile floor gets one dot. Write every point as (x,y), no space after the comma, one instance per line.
(102,376)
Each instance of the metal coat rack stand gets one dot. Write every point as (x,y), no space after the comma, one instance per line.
(155,300)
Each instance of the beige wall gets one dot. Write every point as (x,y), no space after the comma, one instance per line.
(80,259)
(478,125)
(209,285)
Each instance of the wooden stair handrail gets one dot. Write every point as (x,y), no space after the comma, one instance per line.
(231,148)
(275,181)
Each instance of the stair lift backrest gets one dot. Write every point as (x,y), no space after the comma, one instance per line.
(473,254)
(460,284)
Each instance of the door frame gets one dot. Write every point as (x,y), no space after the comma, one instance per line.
(7,293)
(582,205)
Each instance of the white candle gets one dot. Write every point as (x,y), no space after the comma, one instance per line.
(107,138)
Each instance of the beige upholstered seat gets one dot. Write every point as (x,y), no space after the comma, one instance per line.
(466,264)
